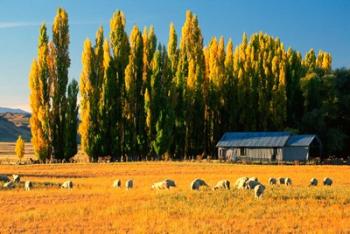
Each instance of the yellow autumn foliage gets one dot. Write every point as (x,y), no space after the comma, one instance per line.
(19,148)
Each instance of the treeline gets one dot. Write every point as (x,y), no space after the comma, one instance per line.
(140,99)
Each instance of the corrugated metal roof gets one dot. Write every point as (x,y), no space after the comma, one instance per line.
(254,139)
(300,140)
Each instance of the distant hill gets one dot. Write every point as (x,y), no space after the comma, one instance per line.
(11,110)
(14,124)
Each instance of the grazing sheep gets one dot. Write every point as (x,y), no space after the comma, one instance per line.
(4,178)
(272,181)
(281,180)
(254,179)
(259,190)
(16,178)
(288,181)
(9,184)
(241,182)
(170,183)
(197,183)
(313,182)
(67,184)
(28,185)
(251,184)
(117,184)
(327,181)
(222,184)
(129,184)
(160,185)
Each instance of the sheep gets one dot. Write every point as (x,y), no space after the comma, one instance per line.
(222,184)
(129,184)
(288,181)
(16,178)
(160,185)
(28,185)
(67,184)
(117,184)
(327,181)
(313,182)
(251,184)
(170,183)
(272,181)
(9,184)
(254,179)
(281,180)
(259,190)
(4,178)
(197,183)
(241,182)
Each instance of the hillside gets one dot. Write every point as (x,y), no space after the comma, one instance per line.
(11,110)
(14,124)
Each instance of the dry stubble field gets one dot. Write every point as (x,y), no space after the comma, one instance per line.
(93,206)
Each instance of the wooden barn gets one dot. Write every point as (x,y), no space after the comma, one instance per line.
(268,146)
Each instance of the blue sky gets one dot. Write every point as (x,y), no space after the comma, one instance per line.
(300,24)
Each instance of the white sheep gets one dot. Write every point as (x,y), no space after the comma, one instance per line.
(241,182)
(222,184)
(197,183)
(327,181)
(160,185)
(288,181)
(117,183)
(9,184)
(67,184)
(259,190)
(251,184)
(28,185)
(313,182)
(16,178)
(272,181)
(129,184)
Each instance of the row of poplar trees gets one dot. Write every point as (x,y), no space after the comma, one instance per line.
(140,99)
(54,107)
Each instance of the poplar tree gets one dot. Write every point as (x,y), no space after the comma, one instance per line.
(71,144)
(134,96)
(149,47)
(60,31)
(178,84)
(192,71)
(39,83)
(120,50)
(40,145)
(163,115)
(230,114)
(19,148)
(107,106)
(88,108)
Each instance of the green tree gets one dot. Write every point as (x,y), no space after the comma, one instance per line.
(60,31)
(120,59)
(71,144)
(134,96)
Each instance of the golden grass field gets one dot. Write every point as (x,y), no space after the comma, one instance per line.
(93,206)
